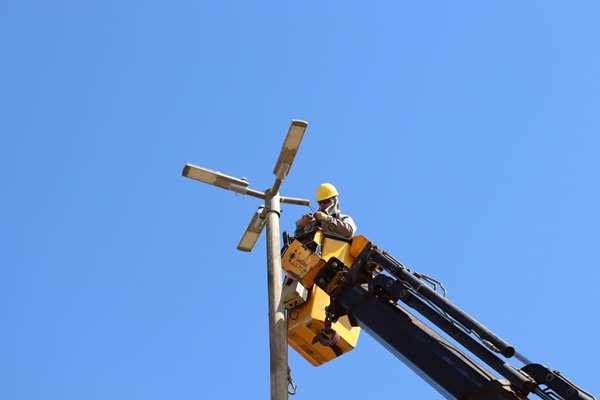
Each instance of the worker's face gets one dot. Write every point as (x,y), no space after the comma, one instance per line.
(323,204)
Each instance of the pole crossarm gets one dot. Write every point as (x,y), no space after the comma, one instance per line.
(236,185)
(292,200)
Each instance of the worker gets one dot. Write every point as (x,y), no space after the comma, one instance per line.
(328,217)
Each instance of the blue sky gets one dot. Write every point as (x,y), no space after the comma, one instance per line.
(462,136)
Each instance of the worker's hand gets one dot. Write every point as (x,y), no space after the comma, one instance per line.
(306,219)
(321,216)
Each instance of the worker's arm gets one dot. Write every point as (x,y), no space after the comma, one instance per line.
(342,225)
(302,223)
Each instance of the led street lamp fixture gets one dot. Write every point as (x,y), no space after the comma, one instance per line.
(215,178)
(253,231)
(289,148)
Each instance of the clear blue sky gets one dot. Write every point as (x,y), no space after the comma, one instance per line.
(463,137)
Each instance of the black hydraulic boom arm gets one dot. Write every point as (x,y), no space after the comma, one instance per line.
(370,292)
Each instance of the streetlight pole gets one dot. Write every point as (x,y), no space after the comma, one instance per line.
(267,214)
(277,324)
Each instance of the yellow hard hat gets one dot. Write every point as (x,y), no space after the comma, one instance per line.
(325,191)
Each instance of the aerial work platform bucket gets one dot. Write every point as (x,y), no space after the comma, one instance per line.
(302,260)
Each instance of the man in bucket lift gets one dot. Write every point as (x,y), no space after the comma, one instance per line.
(328,217)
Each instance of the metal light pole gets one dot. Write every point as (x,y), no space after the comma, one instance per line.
(267,214)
